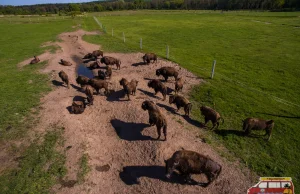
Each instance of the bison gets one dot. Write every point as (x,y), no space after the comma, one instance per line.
(156,118)
(64,77)
(258,124)
(77,107)
(111,61)
(99,84)
(94,55)
(101,75)
(167,72)
(211,115)
(108,72)
(35,60)
(148,57)
(82,80)
(158,87)
(89,91)
(65,63)
(95,65)
(178,85)
(181,101)
(190,162)
(129,87)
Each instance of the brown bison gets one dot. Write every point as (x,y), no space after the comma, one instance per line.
(108,72)
(167,72)
(94,55)
(158,87)
(101,75)
(189,162)
(211,115)
(98,84)
(129,87)
(64,77)
(156,118)
(77,107)
(65,63)
(148,57)
(111,61)
(178,85)
(181,101)
(82,80)
(258,124)
(35,60)
(89,91)
(88,56)
(95,65)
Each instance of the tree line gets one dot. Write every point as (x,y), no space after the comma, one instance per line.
(98,6)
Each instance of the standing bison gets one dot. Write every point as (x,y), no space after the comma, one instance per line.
(82,80)
(129,87)
(211,115)
(98,84)
(167,72)
(156,117)
(64,77)
(111,61)
(189,162)
(258,124)
(158,87)
(181,101)
(148,57)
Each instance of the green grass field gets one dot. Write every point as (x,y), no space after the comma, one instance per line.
(257,73)
(21,89)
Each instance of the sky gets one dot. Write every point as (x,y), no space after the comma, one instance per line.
(32,2)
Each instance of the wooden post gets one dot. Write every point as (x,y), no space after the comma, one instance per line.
(141,43)
(123,36)
(112,32)
(213,69)
(167,52)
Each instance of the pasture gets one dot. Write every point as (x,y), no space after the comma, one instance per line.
(257,73)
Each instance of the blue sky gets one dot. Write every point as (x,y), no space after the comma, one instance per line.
(32,2)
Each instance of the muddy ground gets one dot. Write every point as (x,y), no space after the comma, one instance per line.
(123,154)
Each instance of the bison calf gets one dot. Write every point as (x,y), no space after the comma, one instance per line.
(178,85)
(167,72)
(111,61)
(156,117)
(181,101)
(97,53)
(158,87)
(64,77)
(77,107)
(82,80)
(35,60)
(65,63)
(148,57)
(211,115)
(129,87)
(189,162)
(258,124)
(108,72)
(99,84)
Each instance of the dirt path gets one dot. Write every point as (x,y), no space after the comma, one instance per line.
(114,132)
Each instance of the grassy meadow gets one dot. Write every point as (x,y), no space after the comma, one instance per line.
(257,73)
(21,89)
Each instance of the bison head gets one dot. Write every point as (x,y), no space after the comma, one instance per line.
(158,72)
(171,99)
(145,105)
(123,82)
(150,83)
(171,166)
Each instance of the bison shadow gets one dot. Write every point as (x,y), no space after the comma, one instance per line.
(227,132)
(193,122)
(57,83)
(149,93)
(138,64)
(131,174)
(130,131)
(116,96)
(168,108)
(79,89)
(69,108)
(79,98)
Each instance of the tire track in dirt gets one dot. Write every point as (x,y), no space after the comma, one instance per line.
(114,132)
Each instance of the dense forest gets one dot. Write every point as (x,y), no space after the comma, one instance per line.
(97,6)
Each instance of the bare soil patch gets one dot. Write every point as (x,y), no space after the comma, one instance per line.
(114,132)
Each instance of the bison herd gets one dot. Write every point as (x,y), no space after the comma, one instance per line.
(185,162)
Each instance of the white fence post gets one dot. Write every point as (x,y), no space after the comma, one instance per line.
(124,36)
(167,52)
(141,43)
(213,69)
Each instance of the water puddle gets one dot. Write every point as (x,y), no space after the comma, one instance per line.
(83,70)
